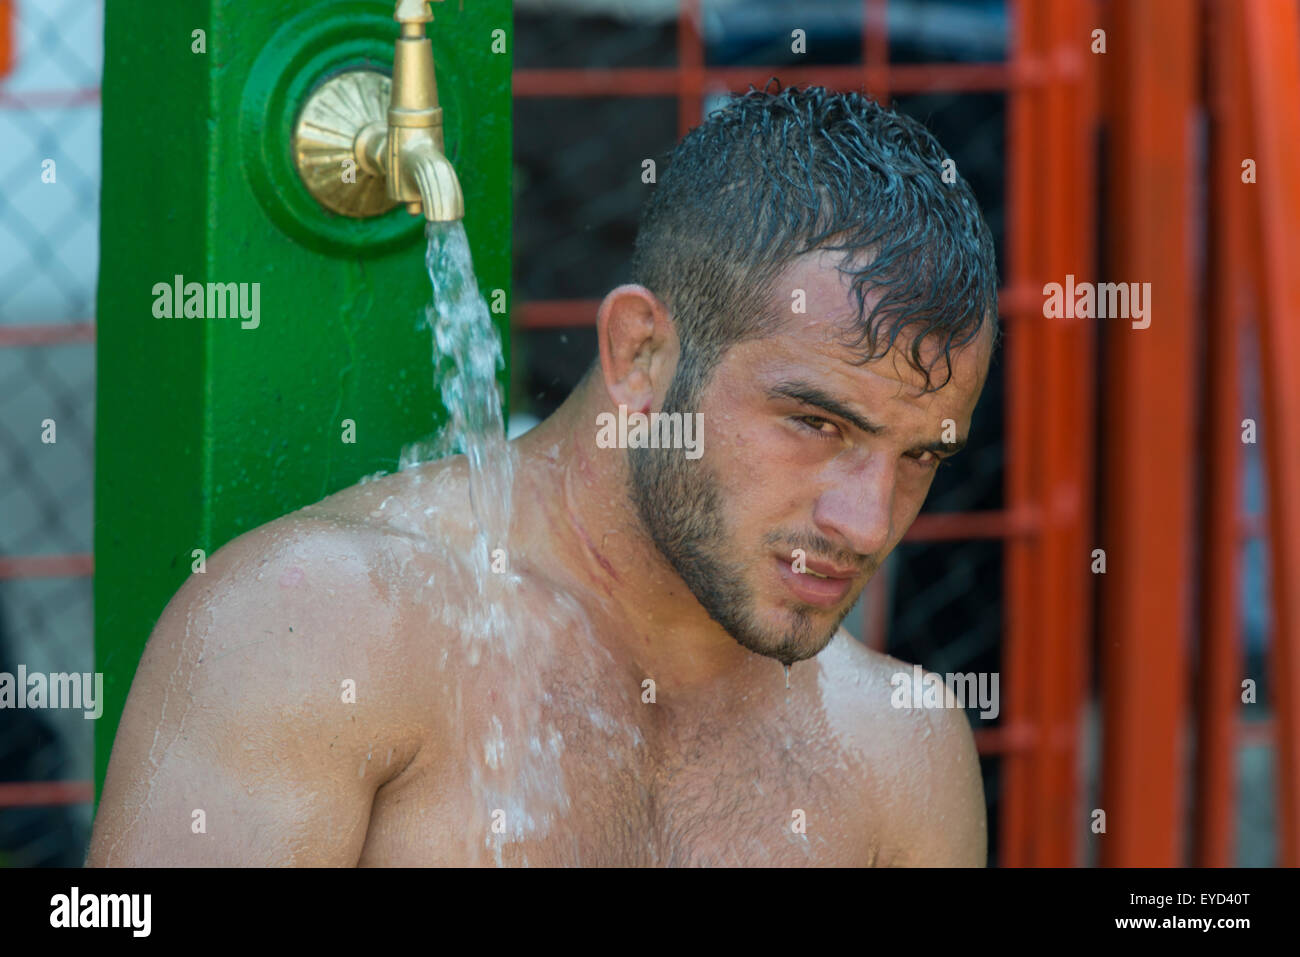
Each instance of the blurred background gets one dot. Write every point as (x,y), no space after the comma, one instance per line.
(1119,691)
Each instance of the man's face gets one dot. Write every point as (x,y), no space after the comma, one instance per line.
(803,450)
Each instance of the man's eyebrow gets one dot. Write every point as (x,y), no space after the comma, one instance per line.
(809,394)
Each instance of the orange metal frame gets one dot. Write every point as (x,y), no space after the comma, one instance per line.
(1150,445)
(1272,57)
(7,37)
(1253,73)
(1220,659)
(1049,436)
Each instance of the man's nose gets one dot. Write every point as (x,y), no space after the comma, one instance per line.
(859,510)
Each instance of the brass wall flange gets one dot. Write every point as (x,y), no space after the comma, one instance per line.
(331,143)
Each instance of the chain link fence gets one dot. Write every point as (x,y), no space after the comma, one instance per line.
(49,198)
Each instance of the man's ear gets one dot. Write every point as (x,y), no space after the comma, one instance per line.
(638,346)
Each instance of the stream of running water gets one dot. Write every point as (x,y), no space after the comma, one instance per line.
(467,356)
(514,748)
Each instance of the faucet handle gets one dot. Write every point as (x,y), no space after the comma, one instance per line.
(412,11)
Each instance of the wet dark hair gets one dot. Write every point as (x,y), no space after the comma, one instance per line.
(772,175)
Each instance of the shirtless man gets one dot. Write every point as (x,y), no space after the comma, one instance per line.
(638,713)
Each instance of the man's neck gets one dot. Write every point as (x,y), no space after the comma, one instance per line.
(589,524)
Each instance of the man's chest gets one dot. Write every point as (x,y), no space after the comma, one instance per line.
(602,785)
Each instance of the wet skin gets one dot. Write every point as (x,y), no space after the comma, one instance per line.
(236,709)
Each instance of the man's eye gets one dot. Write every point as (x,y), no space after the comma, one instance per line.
(926,459)
(814,424)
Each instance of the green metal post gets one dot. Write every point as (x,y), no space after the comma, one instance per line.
(208,427)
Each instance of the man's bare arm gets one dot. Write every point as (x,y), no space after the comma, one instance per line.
(238,745)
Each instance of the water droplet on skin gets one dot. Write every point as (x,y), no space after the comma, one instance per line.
(787,677)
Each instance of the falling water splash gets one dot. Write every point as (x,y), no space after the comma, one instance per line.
(506,777)
(467,356)
(513,749)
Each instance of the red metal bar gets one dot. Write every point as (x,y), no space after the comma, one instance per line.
(875,47)
(576,313)
(1088,171)
(1064,447)
(1272,31)
(875,625)
(556,313)
(607,81)
(1050,179)
(7,34)
(1006,739)
(46,566)
(1151,66)
(1219,661)
(690,72)
(46,334)
(666,81)
(46,793)
(49,99)
(1042,613)
(1022,424)
(968,526)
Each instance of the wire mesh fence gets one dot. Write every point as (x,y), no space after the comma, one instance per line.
(49,189)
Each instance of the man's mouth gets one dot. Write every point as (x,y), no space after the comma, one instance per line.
(824,588)
(822,569)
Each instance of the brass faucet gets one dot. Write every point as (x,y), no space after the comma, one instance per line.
(403,149)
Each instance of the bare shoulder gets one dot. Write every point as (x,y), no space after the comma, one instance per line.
(277,689)
(932,790)
(326,591)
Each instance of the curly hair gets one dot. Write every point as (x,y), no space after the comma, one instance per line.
(772,175)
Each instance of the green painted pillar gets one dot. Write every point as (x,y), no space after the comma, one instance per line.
(208,427)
